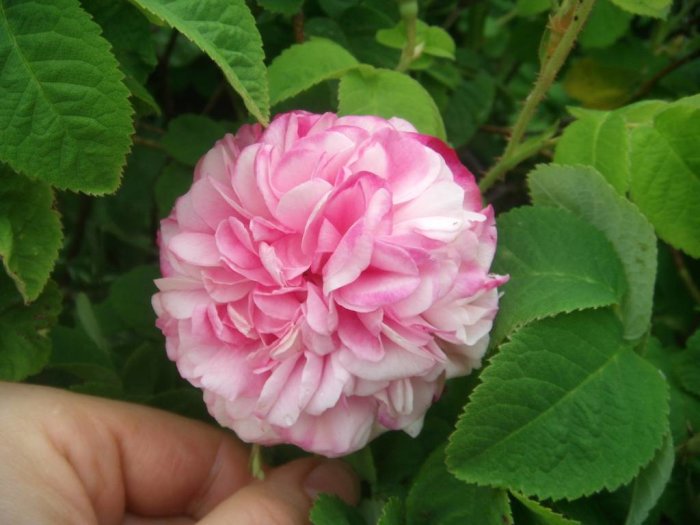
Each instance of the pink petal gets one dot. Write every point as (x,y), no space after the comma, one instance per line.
(234,244)
(396,363)
(320,315)
(354,252)
(376,288)
(209,203)
(182,304)
(437,213)
(357,338)
(333,380)
(245,185)
(195,248)
(295,207)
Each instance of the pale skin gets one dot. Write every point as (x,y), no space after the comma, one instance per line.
(67,459)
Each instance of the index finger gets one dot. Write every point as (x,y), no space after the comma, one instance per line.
(139,459)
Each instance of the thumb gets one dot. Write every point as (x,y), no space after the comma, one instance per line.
(286,495)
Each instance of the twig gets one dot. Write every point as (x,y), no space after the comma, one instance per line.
(456,12)
(150,127)
(685,276)
(565,26)
(645,88)
(298,26)
(142,141)
(163,65)
(214,98)
(496,130)
(84,211)
(409,15)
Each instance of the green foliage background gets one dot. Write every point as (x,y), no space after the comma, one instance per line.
(588,408)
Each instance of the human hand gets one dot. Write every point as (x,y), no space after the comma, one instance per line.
(74,460)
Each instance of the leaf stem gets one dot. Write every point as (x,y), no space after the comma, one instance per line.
(409,14)
(256,462)
(565,26)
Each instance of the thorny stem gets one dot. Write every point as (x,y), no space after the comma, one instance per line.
(409,15)
(565,26)
(256,462)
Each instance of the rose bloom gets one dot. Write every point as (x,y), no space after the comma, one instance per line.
(324,276)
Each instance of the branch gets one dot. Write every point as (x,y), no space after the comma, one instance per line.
(409,15)
(565,26)
(685,276)
(645,88)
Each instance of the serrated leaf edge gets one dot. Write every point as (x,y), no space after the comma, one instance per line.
(518,487)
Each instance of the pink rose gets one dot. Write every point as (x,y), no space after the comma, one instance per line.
(324,276)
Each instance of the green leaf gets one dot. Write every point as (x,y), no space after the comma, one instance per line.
(655,8)
(685,408)
(392,513)
(532,7)
(130,296)
(446,73)
(687,365)
(597,139)
(362,462)
(565,409)
(432,40)
(385,93)
(603,508)
(320,27)
(64,110)
(304,65)
(584,192)
(538,514)
(89,322)
(335,8)
(650,483)
(397,457)
(25,344)
(282,7)
(469,107)
(226,31)
(331,510)
(141,370)
(557,263)
(439,43)
(30,232)
(438,498)
(75,353)
(186,401)
(189,137)
(641,112)
(666,175)
(605,25)
(145,104)
(173,182)
(129,34)
(599,85)
(361,24)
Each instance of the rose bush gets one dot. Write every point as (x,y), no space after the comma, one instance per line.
(324,276)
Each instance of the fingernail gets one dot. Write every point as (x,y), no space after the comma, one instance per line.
(333,477)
